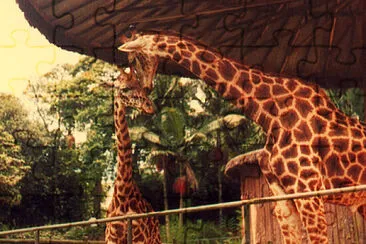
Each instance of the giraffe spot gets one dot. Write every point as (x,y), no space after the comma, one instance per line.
(176,57)
(278,90)
(305,150)
(340,144)
(181,45)
(221,88)
(133,205)
(267,80)
(172,39)
(275,130)
(241,102)
(321,146)
(205,56)
(244,82)
(318,125)
(325,113)
(293,167)
(291,84)
(307,174)
(171,49)
(331,105)
(126,137)
(256,78)
(356,146)
(226,70)
(138,238)
(162,46)
(286,139)
(363,177)
(290,152)
(279,167)
(361,158)
(341,182)
(251,108)
(337,130)
(317,100)
(345,161)
(354,172)
(302,132)
(301,187)
(270,177)
(303,92)
(186,54)
(196,67)
(185,63)
(351,156)
(340,118)
(262,92)
(279,80)
(308,207)
(264,121)
(211,73)
(288,180)
(314,184)
(303,107)
(289,119)
(271,108)
(356,133)
(285,102)
(333,166)
(191,47)
(233,93)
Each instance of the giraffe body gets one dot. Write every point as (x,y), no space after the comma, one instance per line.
(127,198)
(311,145)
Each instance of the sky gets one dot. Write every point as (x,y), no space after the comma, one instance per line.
(24,51)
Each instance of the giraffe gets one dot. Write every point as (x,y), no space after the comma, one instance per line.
(127,198)
(310,144)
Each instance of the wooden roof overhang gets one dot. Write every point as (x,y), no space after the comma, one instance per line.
(321,41)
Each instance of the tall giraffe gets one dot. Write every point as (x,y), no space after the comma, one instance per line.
(127,198)
(311,145)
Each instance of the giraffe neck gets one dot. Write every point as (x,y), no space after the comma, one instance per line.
(261,97)
(124,185)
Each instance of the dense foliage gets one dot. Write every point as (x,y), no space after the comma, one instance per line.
(60,166)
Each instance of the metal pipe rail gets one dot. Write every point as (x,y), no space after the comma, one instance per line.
(191,209)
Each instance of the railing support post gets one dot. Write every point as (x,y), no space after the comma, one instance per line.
(247,224)
(37,237)
(129,231)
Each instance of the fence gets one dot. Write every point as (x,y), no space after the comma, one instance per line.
(129,218)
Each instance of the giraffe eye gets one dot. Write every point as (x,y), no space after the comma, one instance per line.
(128,34)
(125,90)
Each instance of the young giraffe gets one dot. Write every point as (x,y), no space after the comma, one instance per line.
(127,198)
(311,145)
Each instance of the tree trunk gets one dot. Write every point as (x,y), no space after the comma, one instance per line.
(98,190)
(166,205)
(181,203)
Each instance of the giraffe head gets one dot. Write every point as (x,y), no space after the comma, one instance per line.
(131,93)
(145,65)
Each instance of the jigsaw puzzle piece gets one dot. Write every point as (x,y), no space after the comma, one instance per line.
(17,48)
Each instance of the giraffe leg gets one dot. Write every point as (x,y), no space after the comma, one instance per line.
(285,211)
(312,215)
(362,210)
(288,218)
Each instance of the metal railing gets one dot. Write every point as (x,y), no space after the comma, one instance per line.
(234,204)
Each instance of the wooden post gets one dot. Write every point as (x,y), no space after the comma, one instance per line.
(246,238)
(37,237)
(129,231)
